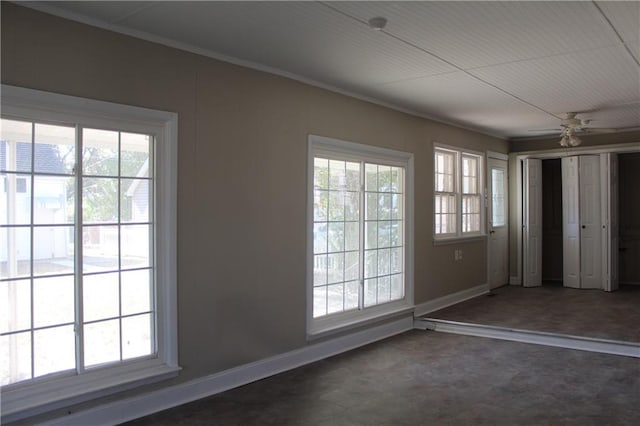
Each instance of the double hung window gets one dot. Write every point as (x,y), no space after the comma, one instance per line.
(359,222)
(458,193)
(81,292)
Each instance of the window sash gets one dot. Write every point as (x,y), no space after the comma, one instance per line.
(458,210)
(74,356)
(358,247)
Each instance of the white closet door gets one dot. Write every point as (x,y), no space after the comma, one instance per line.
(610,242)
(532,273)
(591,223)
(570,222)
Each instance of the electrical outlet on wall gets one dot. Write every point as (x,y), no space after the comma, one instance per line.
(457,255)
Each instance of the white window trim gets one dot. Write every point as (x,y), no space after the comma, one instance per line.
(329,324)
(39,395)
(459,236)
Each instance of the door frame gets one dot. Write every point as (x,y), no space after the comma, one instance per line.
(516,193)
(503,157)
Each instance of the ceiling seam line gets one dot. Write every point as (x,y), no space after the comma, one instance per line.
(613,28)
(459,68)
(517,61)
(470,74)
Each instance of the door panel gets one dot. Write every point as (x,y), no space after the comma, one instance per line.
(497,172)
(570,222)
(532,274)
(609,202)
(591,224)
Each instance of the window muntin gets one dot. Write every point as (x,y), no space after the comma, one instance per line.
(458,193)
(359,215)
(42,298)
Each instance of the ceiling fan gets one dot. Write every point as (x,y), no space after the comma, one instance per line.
(571,126)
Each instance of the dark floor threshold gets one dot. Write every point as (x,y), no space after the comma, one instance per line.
(614,347)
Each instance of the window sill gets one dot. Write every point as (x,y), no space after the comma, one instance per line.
(38,397)
(329,326)
(458,240)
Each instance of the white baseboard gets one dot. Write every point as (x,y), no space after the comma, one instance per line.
(142,405)
(450,299)
(536,337)
(515,281)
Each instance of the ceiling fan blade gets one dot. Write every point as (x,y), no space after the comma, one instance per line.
(598,130)
(544,130)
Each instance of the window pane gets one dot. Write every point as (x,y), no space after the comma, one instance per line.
(371,177)
(53,199)
(101,342)
(15,146)
(337,175)
(100,248)
(335,301)
(320,237)
(397,261)
(336,237)
(15,252)
(53,251)
(135,246)
(353,176)
(15,305)
(384,260)
(101,295)
(15,199)
(498,207)
(320,205)
(137,336)
(100,152)
(336,268)
(15,358)
(54,350)
(371,235)
(384,206)
(53,301)
(136,291)
(352,266)
(371,263)
(319,301)
(384,178)
(99,200)
(336,205)
(134,200)
(321,173)
(352,236)
(320,269)
(370,292)
(351,295)
(397,289)
(134,155)
(384,289)
(372,206)
(351,205)
(54,149)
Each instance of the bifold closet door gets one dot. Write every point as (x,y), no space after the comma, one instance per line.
(582,224)
(532,271)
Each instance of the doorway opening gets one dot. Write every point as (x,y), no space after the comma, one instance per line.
(552,249)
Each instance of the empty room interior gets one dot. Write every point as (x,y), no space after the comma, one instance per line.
(320,212)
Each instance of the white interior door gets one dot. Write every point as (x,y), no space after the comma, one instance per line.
(532,265)
(610,234)
(571,222)
(497,177)
(591,222)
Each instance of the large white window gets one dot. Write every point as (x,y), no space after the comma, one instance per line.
(85,228)
(360,218)
(458,193)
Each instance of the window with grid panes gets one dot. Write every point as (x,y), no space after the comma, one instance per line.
(359,224)
(458,193)
(78,278)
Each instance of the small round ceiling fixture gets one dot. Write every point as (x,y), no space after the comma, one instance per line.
(377,23)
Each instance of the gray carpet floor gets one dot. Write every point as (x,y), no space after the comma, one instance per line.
(429,378)
(556,309)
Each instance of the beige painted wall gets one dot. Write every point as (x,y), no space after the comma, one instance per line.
(241,179)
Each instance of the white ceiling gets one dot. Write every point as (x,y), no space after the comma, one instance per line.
(503,68)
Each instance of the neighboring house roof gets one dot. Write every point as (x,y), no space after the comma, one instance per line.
(143,172)
(47,158)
